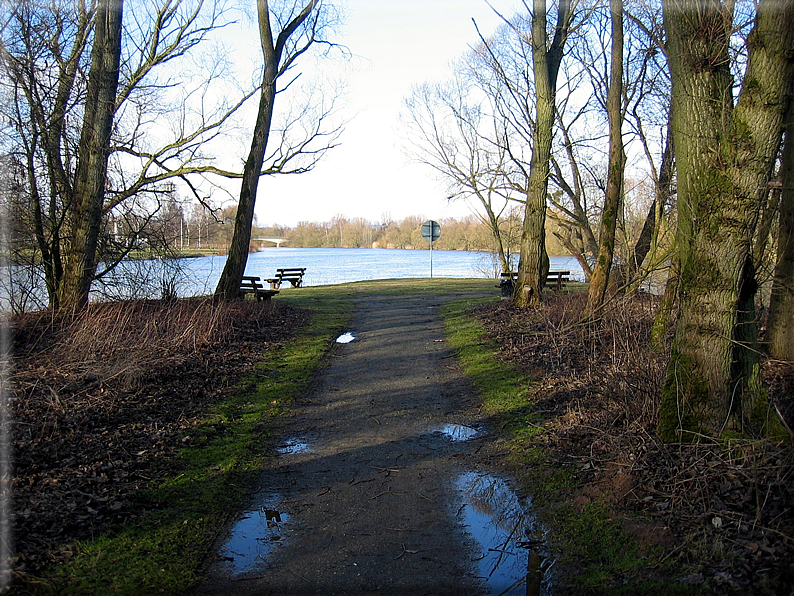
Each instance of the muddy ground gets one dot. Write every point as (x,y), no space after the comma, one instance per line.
(368,493)
(99,414)
(372,503)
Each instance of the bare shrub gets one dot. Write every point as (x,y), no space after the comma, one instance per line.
(110,337)
(101,401)
(609,358)
(721,510)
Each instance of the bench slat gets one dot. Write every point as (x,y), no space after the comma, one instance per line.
(554,279)
(251,285)
(294,275)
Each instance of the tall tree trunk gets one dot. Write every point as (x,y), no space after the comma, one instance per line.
(534,261)
(234,269)
(724,158)
(781,305)
(613,197)
(93,152)
(272,50)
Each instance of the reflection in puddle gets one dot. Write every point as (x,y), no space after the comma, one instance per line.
(292,446)
(509,562)
(345,338)
(458,432)
(252,538)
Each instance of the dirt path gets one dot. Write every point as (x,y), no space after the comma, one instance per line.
(367,500)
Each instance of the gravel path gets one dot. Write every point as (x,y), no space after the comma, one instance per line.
(367,503)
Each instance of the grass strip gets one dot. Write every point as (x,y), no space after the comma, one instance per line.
(589,544)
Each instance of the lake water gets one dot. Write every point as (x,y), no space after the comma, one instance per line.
(324,266)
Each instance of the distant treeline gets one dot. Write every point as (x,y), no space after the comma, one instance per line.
(467,233)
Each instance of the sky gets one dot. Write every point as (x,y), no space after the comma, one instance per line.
(396,44)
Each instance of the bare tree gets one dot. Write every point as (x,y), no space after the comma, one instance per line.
(92,155)
(298,27)
(464,140)
(617,160)
(581,149)
(571,203)
(546,59)
(525,97)
(45,55)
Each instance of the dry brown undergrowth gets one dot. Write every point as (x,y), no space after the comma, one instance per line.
(102,401)
(722,512)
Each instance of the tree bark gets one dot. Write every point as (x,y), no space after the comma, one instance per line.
(661,321)
(534,261)
(93,152)
(781,305)
(234,269)
(613,197)
(724,158)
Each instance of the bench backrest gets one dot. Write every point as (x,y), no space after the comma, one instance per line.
(552,274)
(250,282)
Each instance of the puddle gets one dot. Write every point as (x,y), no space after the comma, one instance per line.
(252,538)
(345,338)
(457,432)
(292,446)
(511,558)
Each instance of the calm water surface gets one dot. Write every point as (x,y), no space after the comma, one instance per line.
(324,266)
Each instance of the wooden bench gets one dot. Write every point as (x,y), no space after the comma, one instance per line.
(294,275)
(556,280)
(253,285)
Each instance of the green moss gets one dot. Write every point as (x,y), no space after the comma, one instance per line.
(698,274)
(502,388)
(684,394)
(658,589)
(766,421)
(729,435)
(596,546)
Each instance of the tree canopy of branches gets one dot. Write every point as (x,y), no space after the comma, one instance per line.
(298,28)
(625,73)
(86,86)
(456,132)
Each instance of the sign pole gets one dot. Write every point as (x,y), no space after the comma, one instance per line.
(431,231)
(431,258)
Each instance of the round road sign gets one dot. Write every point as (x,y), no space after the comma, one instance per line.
(431,230)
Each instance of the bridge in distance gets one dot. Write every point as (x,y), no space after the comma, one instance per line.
(276,241)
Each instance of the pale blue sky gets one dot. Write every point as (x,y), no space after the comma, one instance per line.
(398,44)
